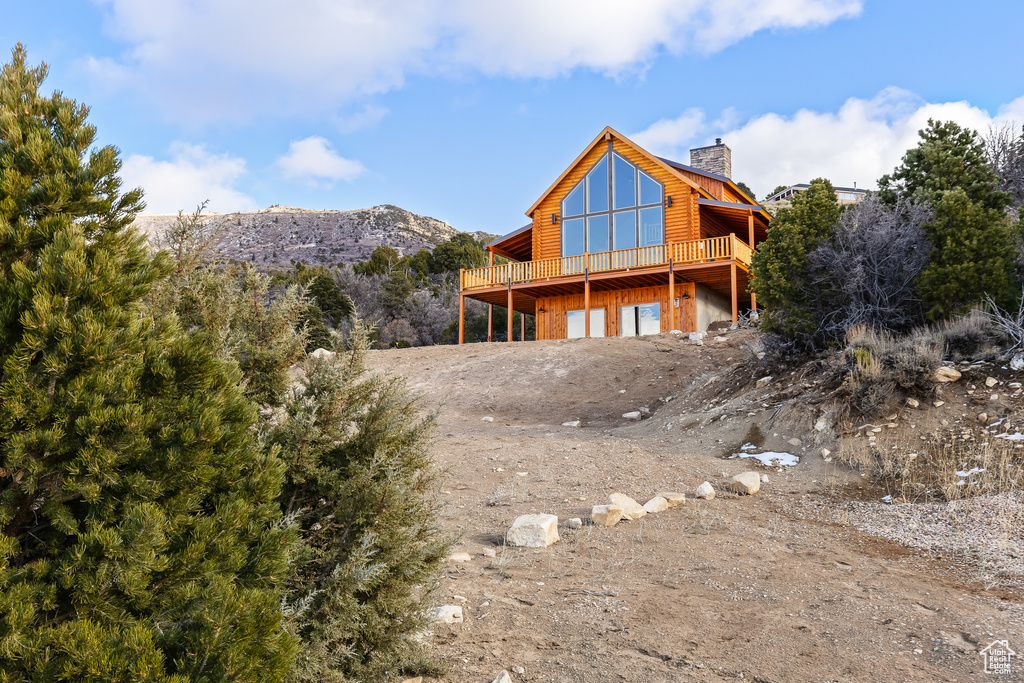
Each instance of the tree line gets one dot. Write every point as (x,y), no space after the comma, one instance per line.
(940,237)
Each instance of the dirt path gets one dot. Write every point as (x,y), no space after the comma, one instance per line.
(736,587)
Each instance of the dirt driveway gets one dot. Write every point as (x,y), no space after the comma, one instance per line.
(751,588)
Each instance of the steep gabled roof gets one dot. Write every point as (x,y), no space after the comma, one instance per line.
(607,134)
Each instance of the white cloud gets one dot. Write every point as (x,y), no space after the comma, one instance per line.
(191,176)
(244,56)
(314,159)
(860,142)
(369,117)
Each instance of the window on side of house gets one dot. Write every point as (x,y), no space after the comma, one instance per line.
(575,323)
(615,206)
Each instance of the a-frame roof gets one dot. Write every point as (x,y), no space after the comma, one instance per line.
(607,134)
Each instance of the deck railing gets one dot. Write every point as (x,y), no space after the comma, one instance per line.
(681,253)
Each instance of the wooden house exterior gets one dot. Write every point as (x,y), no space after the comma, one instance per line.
(625,243)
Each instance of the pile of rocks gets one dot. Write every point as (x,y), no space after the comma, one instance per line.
(622,507)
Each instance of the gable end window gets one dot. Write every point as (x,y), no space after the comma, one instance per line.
(616,206)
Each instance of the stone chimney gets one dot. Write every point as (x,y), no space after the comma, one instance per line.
(715,159)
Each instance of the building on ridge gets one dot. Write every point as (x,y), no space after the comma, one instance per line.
(626,243)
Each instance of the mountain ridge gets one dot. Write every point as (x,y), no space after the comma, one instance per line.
(278,235)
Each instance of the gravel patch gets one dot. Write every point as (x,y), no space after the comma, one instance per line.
(985,531)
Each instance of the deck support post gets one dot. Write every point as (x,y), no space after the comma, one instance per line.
(522,327)
(735,303)
(510,312)
(750,230)
(586,304)
(462,317)
(671,298)
(490,307)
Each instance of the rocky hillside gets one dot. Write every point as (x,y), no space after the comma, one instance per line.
(275,236)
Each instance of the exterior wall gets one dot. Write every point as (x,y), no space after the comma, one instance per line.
(681,219)
(551,323)
(711,307)
(715,159)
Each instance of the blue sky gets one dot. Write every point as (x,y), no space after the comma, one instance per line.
(466,110)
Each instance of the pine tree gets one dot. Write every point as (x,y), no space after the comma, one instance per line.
(782,278)
(363,491)
(947,157)
(140,537)
(972,256)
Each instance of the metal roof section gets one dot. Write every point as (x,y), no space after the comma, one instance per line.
(509,235)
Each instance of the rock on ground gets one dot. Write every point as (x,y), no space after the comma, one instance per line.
(533,531)
(673,498)
(448,614)
(575,523)
(746,483)
(605,515)
(705,491)
(946,374)
(656,504)
(631,415)
(630,508)
(503,677)
(459,557)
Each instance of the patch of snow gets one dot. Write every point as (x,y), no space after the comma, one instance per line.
(748,447)
(967,473)
(773,459)
(1017,436)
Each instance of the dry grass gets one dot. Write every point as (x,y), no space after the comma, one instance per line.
(952,464)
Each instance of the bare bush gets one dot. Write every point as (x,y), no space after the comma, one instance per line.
(1004,147)
(430,313)
(883,368)
(952,464)
(869,266)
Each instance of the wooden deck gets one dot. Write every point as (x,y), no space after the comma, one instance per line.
(638,260)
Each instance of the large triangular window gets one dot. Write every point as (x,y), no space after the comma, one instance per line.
(616,206)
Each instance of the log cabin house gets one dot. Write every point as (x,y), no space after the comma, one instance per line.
(625,243)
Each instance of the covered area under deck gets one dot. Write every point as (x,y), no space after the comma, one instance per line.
(727,277)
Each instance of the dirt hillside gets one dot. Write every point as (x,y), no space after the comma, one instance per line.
(776,587)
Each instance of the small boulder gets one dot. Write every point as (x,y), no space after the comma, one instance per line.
(705,491)
(1017,362)
(982,417)
(913,402)
(321,353)
(794,441)
(673,498)
(656,504)
(518,670)
(447,614)
(746,483)
(533,531)
(575,523)
(573,423)
(631,415)
(938,404)
(460,557)
(991,382)
(487,419)
(946,374)
(763,382)
(489,552)
(630,508)
(605,515)
(503,677)
(720,339)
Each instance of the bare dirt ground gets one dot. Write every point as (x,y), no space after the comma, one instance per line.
(773,587)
